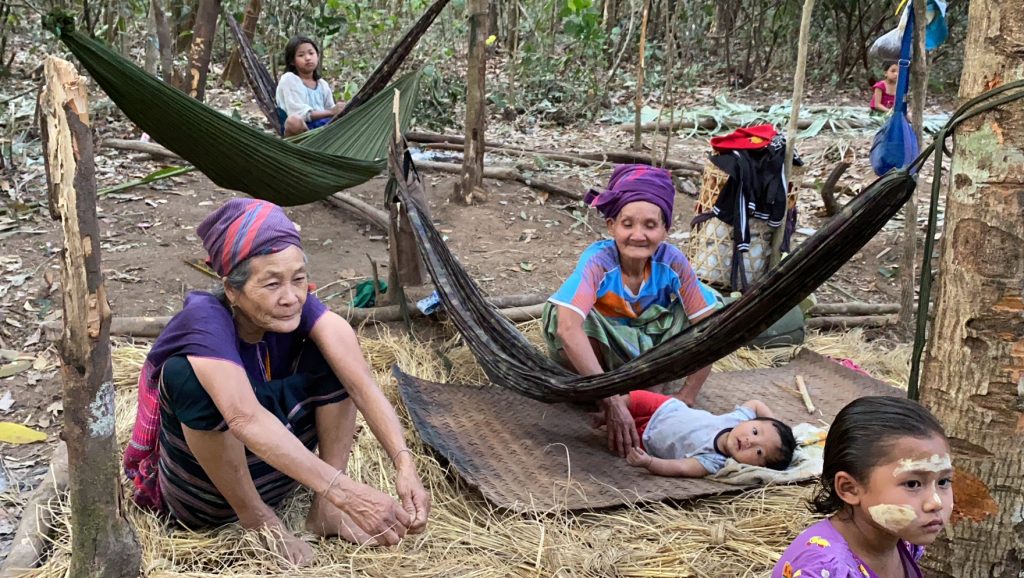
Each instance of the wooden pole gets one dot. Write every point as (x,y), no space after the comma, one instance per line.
(638,98)
(103,545)
(471,184)
(918,88)
(798,96)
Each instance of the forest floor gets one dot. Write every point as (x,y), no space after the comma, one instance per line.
(517,241)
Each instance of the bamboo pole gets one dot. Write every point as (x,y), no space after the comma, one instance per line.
(638,98)
(918,88)
(798,96)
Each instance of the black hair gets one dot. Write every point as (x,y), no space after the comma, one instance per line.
(781,460)
(889,63)
(292,47)
(860,438)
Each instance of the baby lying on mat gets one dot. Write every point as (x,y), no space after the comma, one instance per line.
(684,442)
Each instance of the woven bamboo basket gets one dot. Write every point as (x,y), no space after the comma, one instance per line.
(710,247)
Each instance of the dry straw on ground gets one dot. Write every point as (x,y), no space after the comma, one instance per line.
(736,535)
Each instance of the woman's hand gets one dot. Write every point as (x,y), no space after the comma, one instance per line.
(415,499)
(622,435)
(638,458)
(375,512)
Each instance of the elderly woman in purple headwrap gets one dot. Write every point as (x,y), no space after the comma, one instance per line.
(627,294)
(253,390)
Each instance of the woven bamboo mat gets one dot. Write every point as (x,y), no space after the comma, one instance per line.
(529,456)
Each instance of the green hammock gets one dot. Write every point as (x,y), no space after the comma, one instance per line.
(237,156)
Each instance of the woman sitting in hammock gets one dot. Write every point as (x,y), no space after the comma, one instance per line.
(304,100)
(245,384)
(627,294)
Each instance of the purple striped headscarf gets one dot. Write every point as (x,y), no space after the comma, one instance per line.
(632,183)
(243,228)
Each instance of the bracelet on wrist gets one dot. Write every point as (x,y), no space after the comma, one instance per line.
(400,452)
(330,485)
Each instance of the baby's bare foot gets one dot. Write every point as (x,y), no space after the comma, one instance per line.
(326,520)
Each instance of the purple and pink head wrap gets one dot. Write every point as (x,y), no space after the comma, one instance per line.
(632,183)
(244,228)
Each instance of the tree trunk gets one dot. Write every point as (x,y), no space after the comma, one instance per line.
(918,86)
(152,50)
(163,35)
(973,376)
(183,14)
(202,48)
(476,105)
(233,72)
(103,544)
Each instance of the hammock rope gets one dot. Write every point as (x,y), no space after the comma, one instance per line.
(237,156)
(511,362)
(264,87)
(982,103)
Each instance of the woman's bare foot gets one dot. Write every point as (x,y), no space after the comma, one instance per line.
(290,547)
(326,520)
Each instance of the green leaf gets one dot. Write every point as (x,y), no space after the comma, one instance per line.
(815,128)
(15,367)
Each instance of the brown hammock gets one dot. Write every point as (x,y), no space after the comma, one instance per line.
(511,362)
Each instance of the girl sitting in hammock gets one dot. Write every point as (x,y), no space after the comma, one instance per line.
(627,294)
(304,100)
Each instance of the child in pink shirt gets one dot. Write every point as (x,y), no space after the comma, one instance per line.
(883,95)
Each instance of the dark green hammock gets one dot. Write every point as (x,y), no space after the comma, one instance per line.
(237,156)
(511,362)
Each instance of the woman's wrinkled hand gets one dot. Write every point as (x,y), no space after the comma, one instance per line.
(622,434)
(375,512)
(415,499)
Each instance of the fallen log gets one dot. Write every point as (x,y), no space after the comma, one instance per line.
(516,307)
(360,209)
(850,321)
(572,157)
(36,524)
(824,309)
(503,174)
(150,148)
(708,123)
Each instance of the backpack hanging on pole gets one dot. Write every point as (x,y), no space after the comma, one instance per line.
(895,145)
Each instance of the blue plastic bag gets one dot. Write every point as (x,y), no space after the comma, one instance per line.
(895,145)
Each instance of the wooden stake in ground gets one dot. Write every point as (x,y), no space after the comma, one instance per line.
(918,87)
(798,96)
(973,378)
(638,98)
(103,544)
(471,183)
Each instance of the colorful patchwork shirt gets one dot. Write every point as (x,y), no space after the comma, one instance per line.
(597,284)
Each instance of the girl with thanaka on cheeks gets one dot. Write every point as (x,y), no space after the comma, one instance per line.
(887,488)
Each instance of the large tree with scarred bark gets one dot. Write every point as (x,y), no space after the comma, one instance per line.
(974,367)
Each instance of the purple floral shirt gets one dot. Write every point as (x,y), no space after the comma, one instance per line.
(821,552)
